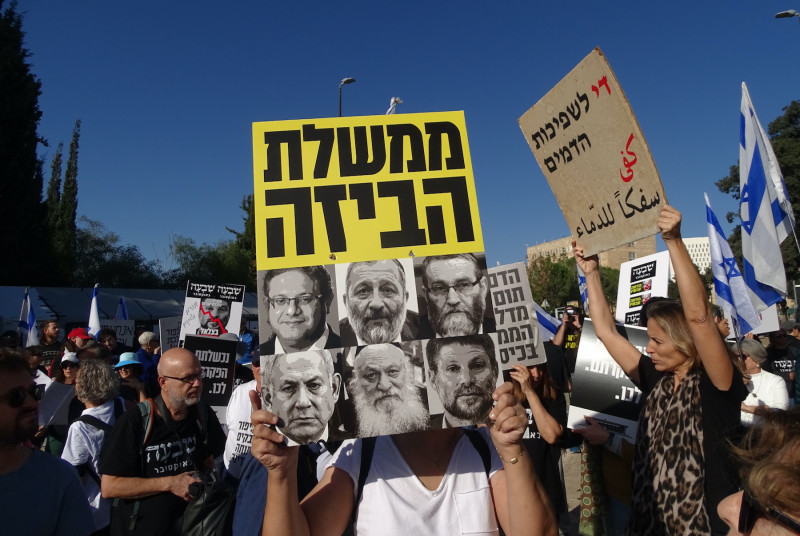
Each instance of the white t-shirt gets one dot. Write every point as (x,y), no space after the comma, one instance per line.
(83,444)
(394,501)
(765,389)
(240,429)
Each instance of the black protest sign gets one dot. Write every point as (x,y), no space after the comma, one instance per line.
(218,359)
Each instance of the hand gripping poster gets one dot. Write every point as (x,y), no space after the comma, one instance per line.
(375,310)
(590,148)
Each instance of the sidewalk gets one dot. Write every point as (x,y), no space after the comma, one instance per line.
(572,482)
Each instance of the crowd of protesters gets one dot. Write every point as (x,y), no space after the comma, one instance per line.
(717,449)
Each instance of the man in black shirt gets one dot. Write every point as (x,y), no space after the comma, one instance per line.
(152,467)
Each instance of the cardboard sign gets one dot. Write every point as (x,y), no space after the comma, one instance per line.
(169,331)
(212,310)
(518,337)
(355,188)
(124,330)
(600,387)
(591,150)
(640,280)
(218,359)
(371,266)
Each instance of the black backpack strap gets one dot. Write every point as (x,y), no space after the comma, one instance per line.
(367,450)
(480,445)
(86,469)
(119,409)
(91,420)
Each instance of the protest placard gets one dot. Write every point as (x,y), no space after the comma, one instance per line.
(218,359)
(211,310)
(124,330)
(640,280)
(591,150)
(369,247)
(600,387)
(518,337)
(54,405)
(169,332)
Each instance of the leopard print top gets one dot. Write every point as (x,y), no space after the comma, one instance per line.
(668,466)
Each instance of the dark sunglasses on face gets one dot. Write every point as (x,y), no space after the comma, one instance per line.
(751,510)
(68,364)
(16,397)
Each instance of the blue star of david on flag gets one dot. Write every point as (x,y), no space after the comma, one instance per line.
(730,267)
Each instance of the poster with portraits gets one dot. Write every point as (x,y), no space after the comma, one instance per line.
(640,280)
(375,313)
(211,310)
(600,388)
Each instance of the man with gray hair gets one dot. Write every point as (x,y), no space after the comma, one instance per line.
(385,396)
(456,292)
(376,298)
(148,355)
(302,388)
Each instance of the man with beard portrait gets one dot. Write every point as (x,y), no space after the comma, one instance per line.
(385,396)
(375,298)
(463,371)
(456,291)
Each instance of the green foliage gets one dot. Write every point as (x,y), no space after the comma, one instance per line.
(784,134)
(224,262)
(104,260)
(21,224)
(52,201)
(557,281)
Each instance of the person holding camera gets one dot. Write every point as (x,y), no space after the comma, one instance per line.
(156,451)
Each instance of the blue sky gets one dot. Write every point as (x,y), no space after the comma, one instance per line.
(167,92)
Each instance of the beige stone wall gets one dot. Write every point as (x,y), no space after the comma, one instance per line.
(562,247)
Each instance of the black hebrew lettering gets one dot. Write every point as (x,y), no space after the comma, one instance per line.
(274,140)
(436,230)
(564,120)
(585,137)
(529,336)
(325,138)
(437,130)
(492,281)
(537,135)
(300,198)
(583,98)
(365,198)
(516,294)
(575,111)
(410,233)
(549,126)
(329,197)
(502,336)
(514,334)
(362,165)
(504,356)
(567,158)
(457,188)
(522,311)
(498,298)
(521,349)
(398,133)
(551,164)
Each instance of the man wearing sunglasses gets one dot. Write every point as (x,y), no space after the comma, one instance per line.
(27,473)
(152,473)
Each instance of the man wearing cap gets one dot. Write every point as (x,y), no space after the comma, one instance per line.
(79,336)
(40,494)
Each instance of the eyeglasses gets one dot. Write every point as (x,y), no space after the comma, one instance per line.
(68,364)
(439,290)
(16,397)
(751,510)
(187,379)
(303,300)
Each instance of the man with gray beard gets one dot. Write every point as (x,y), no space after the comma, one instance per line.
(386,399)
(376,297)
(456,291)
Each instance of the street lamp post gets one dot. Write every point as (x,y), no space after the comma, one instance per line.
(344,81)
(789,13)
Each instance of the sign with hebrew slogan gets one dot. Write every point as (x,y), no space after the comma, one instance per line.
(591,150)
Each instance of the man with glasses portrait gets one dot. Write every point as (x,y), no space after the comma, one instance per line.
(455,289)
(298,304)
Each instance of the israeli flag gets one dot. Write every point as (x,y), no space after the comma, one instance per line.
(27,323)
(94,316)
(122,310)
(764,274)
(729,284)
(548,324)
(583,289)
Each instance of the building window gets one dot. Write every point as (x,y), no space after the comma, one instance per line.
(631,255)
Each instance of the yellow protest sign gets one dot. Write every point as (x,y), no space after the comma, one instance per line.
(591,150)
(348,189)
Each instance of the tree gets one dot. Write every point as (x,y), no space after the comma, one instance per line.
(65,231)
(21,224)
(784,134)
(221,263)
(52,201)
(557,281)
